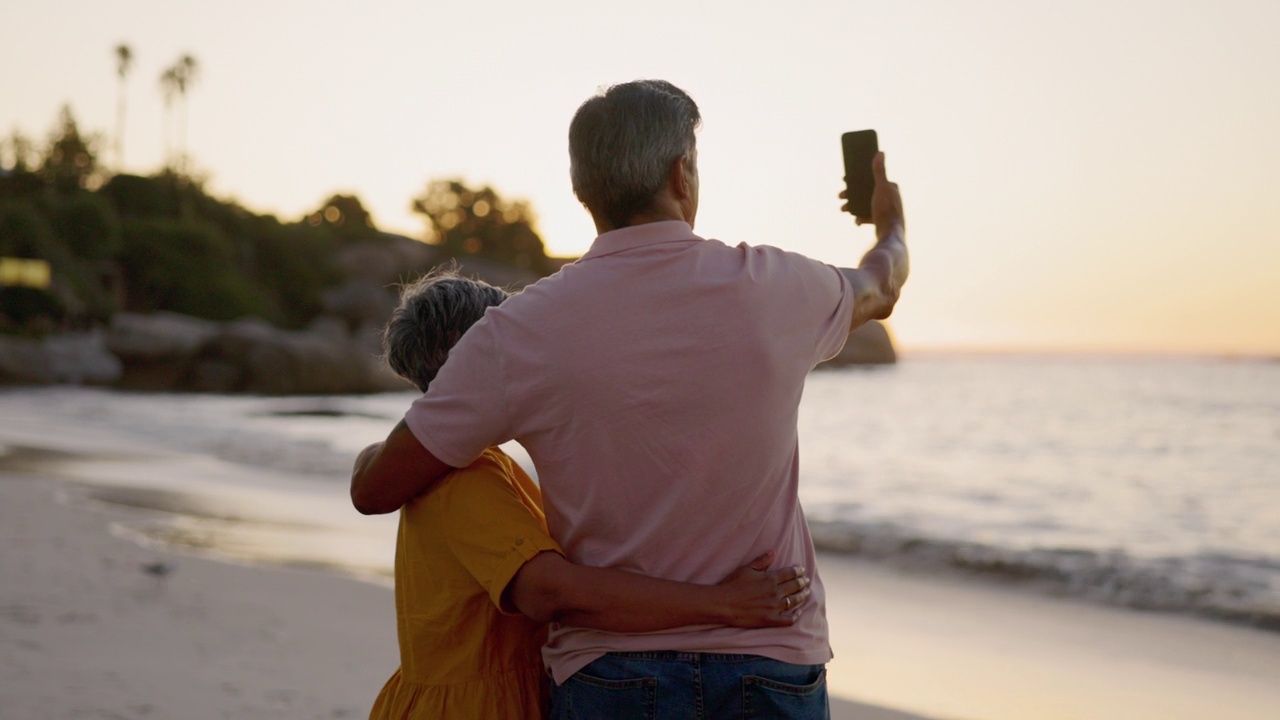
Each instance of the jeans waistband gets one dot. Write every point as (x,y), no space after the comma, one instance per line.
(690,657)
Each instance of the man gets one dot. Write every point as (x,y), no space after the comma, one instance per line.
(656,384)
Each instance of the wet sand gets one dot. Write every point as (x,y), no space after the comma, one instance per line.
(94,623)
(956,648)
(259,615)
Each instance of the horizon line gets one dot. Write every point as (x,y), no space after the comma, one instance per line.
(1083,352)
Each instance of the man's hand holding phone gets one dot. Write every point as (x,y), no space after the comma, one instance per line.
(886,202)
(879,277)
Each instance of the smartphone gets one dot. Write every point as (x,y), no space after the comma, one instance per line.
(860,148)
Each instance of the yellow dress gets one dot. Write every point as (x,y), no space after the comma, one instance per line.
(462,654)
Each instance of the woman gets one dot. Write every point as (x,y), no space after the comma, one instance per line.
(477,575)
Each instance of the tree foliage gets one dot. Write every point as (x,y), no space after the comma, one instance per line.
(283,267)
(86,223)
(124,63)
(18,153)
(176,81)
(295,265)
(346,217)
(71,161)
(134,196)
(186,267)
(24,233)
(467,222)
(161,242)
(156,242)
(27,230)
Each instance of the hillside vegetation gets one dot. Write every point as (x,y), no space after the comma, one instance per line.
(121,242)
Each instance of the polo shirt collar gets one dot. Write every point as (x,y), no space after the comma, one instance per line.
(636,236)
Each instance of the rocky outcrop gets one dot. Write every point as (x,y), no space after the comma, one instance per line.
(388,260)
(158,336)
(360,302)
(156,350)
(394,259)
(250,356)
(72,358)
(868,345)
(339,353)
(169,352)
(375,270)
(496,273)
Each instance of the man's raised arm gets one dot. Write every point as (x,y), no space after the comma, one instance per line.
(390,473)
(878,279)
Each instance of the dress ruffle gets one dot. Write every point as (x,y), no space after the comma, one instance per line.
(518,694)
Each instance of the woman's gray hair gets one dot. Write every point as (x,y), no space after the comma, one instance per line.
(622,143)
(433,314)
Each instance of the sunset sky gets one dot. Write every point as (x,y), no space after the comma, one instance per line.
(1082,176)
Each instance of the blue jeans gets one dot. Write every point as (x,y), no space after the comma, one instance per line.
(691,686)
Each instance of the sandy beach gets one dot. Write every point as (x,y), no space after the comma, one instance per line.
(98,619)
(94,624)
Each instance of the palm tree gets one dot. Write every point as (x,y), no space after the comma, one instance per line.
(176,80)
(168,86)
(187,70)
(124,63)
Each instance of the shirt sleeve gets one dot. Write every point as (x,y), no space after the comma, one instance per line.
(464,410)
(490,529)
(833,310)
(815,299)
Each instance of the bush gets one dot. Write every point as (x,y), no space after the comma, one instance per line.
(87,225)
(133,196)
(294,264)
(74,292)
(186,267)
(22,309)
(25,233)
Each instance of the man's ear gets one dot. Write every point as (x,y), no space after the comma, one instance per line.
(680,178)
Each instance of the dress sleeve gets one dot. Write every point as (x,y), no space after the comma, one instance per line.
(491,530)
(464,411)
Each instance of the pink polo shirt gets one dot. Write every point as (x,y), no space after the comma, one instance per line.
(655,383)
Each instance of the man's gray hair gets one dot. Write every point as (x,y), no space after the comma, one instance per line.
(622,143)
(433,314)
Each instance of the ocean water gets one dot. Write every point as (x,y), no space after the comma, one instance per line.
(1147,483)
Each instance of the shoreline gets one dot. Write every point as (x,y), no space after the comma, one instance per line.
(95,623)
(1091,576)
(1116,512)
(230,615)
(100,626)
(951,647)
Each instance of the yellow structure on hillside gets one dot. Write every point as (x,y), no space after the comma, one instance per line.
(24,272)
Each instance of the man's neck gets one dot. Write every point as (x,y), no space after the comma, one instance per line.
(604,226)
(662,210)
